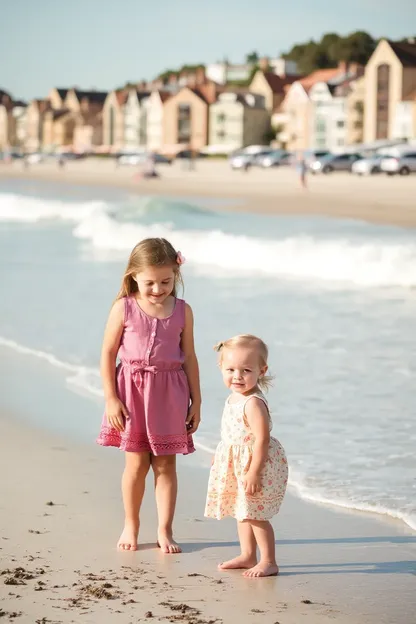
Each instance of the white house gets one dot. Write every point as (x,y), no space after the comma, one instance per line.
(404,120)
(19,114)
(328,118)
(154,117)
(135,120)
(237,120)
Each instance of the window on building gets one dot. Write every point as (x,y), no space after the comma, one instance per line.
(382,106)
(221,118)
(340,124)
(184,123)
(340,142)
(320,126)
(220,134)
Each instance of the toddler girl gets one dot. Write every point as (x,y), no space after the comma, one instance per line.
(152,397)
(249,473)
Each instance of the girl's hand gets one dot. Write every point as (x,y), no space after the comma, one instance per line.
(116,414)
(193,419)
(252,483)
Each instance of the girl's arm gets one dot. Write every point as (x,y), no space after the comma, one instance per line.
(115,410)
(257,417)
(191,369)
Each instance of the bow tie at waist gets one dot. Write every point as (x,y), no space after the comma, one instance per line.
(139,367)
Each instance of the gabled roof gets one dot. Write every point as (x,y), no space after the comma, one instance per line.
(320,75)
(278,83)
(405,52)
(20,103)
(62,92)
(97,97)
(57,114)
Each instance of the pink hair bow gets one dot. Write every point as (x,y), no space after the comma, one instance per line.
(180,258)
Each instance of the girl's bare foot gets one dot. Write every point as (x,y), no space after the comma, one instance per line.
(128,538)
(262,569)
(167,544)
(239,563)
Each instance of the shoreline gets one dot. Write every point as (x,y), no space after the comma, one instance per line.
(336,566)
(375,199)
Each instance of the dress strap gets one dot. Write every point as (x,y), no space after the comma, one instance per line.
(257,395)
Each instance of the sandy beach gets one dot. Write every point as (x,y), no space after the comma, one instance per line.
(377,199)
(60,517)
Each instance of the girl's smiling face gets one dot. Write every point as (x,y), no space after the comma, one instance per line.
(155,283)
(241,369)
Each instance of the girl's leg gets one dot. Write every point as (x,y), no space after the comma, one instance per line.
(132,487)
(248,557)
(166,489)
(264,536)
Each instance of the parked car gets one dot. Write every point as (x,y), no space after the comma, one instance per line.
(368,166)
(334,162)
(273,159)
(312,155)
(187,154)
(139,159)
(244,160)
(35,158)
(404,164)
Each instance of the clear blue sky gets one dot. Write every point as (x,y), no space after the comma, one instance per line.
(104,43)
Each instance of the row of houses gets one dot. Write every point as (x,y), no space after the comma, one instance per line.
(328,109)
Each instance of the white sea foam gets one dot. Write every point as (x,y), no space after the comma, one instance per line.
(369,263)
(86,380)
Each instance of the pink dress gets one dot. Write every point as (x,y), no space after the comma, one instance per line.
(152,384)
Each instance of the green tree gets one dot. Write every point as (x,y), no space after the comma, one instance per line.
(252,58)
(354,48)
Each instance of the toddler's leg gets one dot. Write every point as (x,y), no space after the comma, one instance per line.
(264,536)
(166,489)
(132,487)
(248,557)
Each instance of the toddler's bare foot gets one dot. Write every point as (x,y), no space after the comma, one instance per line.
(262,569)
(238,563)
(167,544)
(128,538)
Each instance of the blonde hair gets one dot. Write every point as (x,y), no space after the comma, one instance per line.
(248,340)
(150,252)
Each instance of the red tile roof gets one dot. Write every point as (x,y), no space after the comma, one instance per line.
(320,75)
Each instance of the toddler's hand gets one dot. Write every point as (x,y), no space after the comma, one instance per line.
(193,419)
(116,414)
(252,483)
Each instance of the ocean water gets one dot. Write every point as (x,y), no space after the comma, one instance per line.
(335,301)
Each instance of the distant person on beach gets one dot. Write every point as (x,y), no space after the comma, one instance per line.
(249,472)
(302,167)
(152,397)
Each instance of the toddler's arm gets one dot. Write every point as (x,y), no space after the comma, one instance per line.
(257,418)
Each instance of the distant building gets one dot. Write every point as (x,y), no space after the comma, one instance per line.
(329,110)
(35,115)
(185,121)
(237,120)
(221,73)
(113,119)
(271,87)
(135,120)
(6,105)
(154,106)
(390,85)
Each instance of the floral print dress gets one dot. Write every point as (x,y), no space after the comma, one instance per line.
(226,495)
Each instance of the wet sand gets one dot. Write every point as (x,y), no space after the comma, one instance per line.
(61,514)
